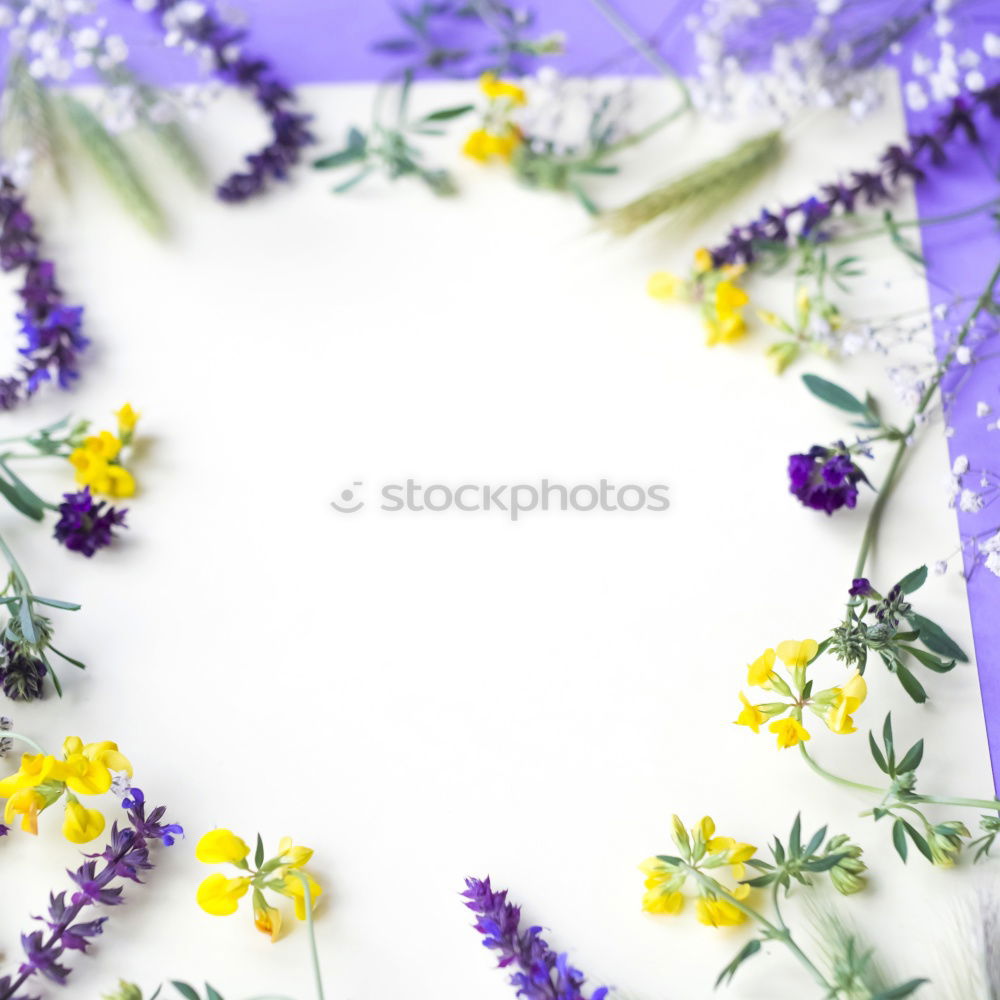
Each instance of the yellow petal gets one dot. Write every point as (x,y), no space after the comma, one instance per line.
(702,260)
(220,896)
(797,654)
(665,286)
(268,921)
(219,846)
(656,901)
(82,825)
(759,671)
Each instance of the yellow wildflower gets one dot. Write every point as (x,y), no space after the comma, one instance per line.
(702,260)
(267,920)
(484,146)
(496,89)
(127,419)
(34,769)
(104,752)
(665,286)
(759,672)
(849,699)
(725,330)
(750,715)
(104,445)
(663,884)
(729,298)
(722,912)
(797,654)
(26,803)
(82,825)
(291,856)
(220,896)
(790,732)
(292,887)
(218,846)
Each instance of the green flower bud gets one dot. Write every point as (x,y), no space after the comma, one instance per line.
(125,991)
(847,875)
(945,841)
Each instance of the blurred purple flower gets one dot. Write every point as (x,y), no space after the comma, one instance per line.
(825,478)
(84,525)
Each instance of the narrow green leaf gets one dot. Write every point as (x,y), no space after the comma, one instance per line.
(747,951)
(899,839)
(929,660)
(258,858)
(911,760)
(349,155)
(898,992)
(53,603)
(185,991)
(834,394)
(919,841)
(19,502)
(936,639)
(880,761)
(211,993)
(27,622)
(447,114)
(911,685)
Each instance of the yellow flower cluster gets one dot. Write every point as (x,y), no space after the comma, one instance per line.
(285,874)
(97,459)
(714,289)
(499,136)
(41,780)
(702,852)
(834,705)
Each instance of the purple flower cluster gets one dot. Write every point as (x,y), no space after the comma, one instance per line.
(290,134)
(540,973)
(51,329)
(825,478)
(84,525)
(870,187)
(125,857)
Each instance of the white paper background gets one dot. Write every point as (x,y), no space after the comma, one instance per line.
(421,697)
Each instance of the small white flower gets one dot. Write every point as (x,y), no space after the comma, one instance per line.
(960,466)
(941,567)
(991,45)
(983,409)
(963,355)
(974,80)
(992,563)
(916,97)
(970,502)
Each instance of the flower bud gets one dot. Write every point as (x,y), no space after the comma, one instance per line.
(945,841)
(125,991)
(847,875)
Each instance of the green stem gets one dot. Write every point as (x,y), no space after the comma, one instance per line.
(778,932)
(846,782)
(7,734)
(647,51)
(313,950)
(892,476)
(943,800)
(934,220)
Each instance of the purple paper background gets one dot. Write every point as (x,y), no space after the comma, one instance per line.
(331,40)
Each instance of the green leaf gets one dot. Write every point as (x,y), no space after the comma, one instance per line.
(26,492)
(747,951)
(903,990)
(447,114)
(353,182)
(68,659)
(19,502)
(911,685)
(912,758)
(880,761)
(27,622)
(833,394)
(795,837)
(51,602)
(919,841)
(349,155)
(115,165)
(211,993)
(936,639)
(887,741)
(813,846)
(899,839)
(258,858)
(929,660)
(913,581)
(185,991)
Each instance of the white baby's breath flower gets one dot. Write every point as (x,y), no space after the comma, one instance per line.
(970,502)
(983,409)
(960,466)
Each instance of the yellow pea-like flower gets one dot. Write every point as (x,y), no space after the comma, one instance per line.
(268,921)
(82,825)
(495,88)
(750,715)
(292,887)
(849,699)
(656,901)
(85,777)
(790,732)
(665,286)
(702,260)
(34,769)
(721,912)
(729,298)
(104,445)
(760,670)
(127,419)
(797,653)
(26,803)
(220,896)
(220,846)
(292,856)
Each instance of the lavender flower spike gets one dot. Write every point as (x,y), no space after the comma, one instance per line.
(124,858)
(540,973)
(195,25)
(870,187)
(51,329)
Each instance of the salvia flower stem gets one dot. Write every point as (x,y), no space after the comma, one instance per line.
(311,929)
(125,857)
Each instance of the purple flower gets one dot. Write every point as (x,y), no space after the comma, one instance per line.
(85,526)
(222,44)
(825,478)
(862,587)
(898,163)
(123,858)
(22,676)
(539,973)
(51,329)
